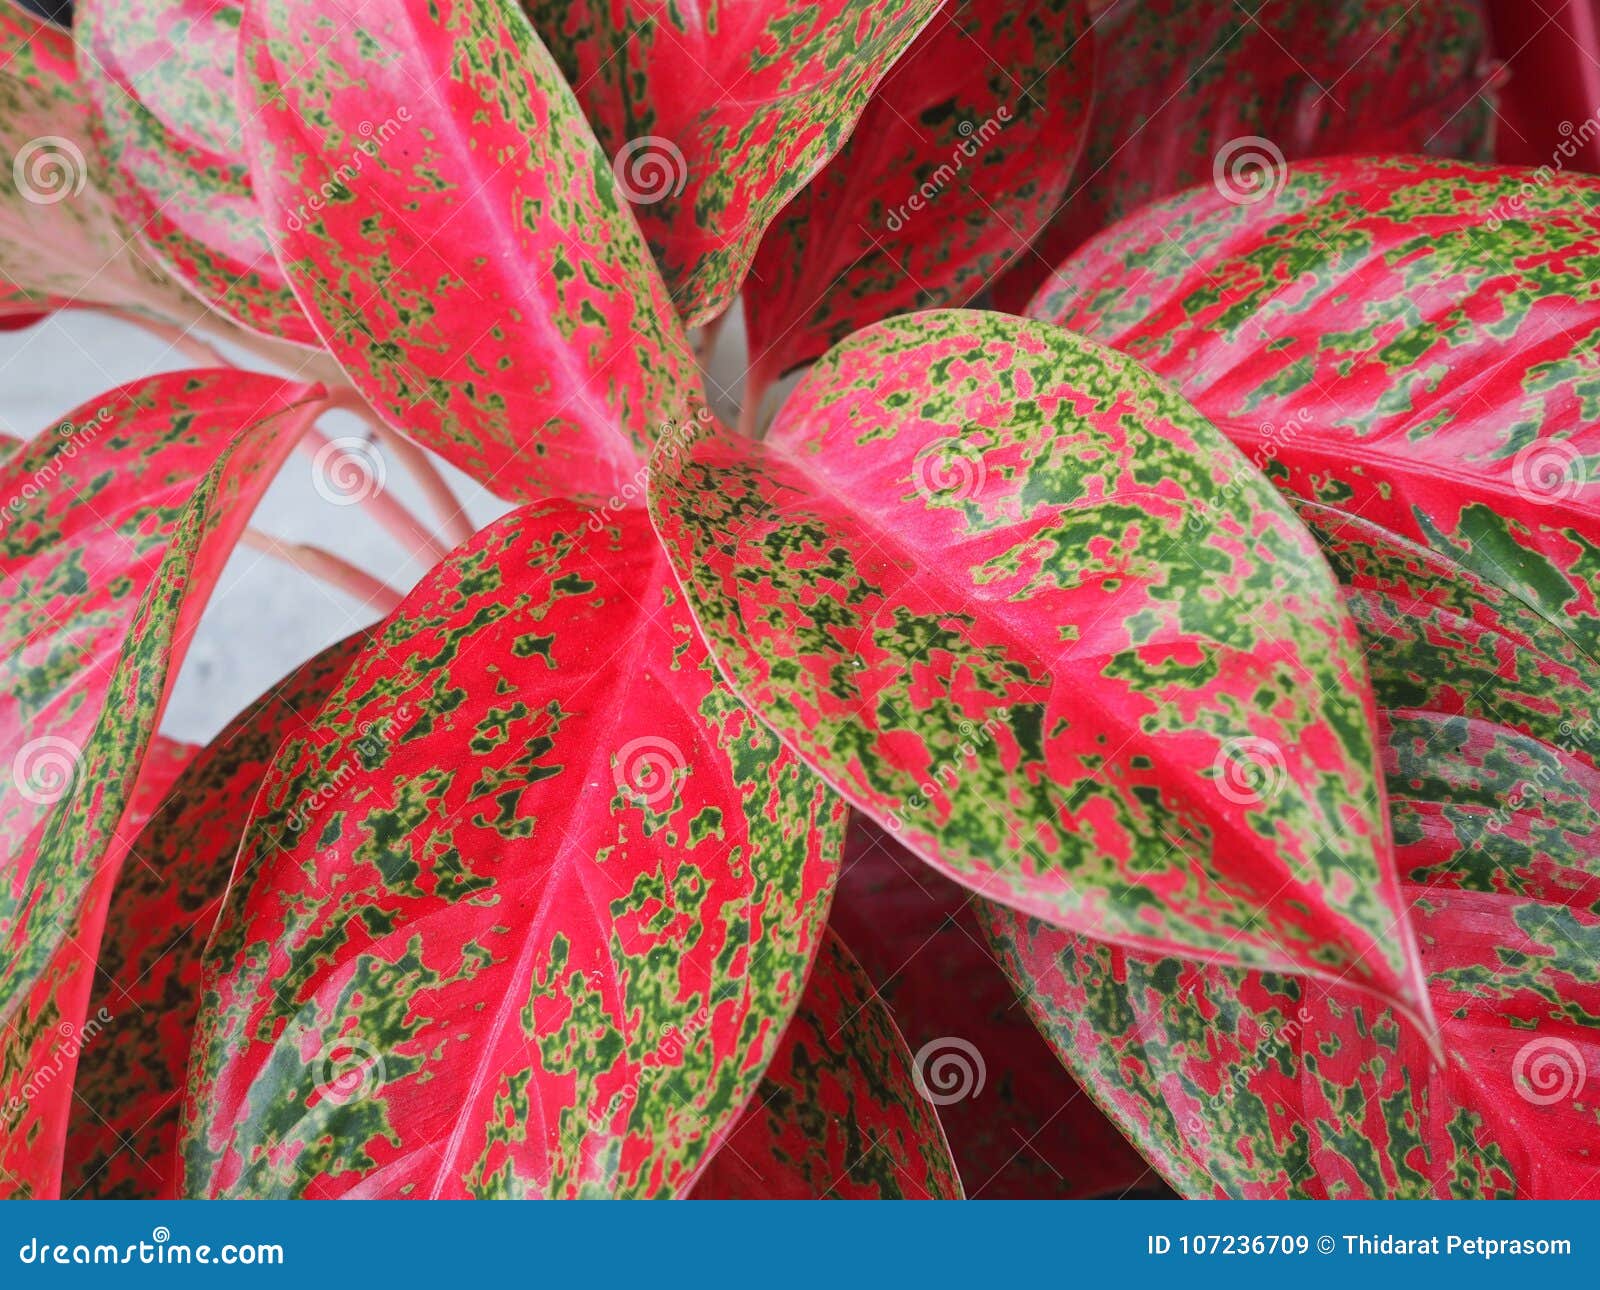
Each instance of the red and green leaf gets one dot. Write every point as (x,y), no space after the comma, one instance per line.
(484,285)
(161,75)
(839,1115)
(1019,1127)
(1254,1084)
(46,1038)
(123,1140)
(526,907)
(716,116)
(1409,341)
(1011,595)
(116,524)
(1191,91)
(962,153)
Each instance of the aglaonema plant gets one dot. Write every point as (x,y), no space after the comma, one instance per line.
(1201,655)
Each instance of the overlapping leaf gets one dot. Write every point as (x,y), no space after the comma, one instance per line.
(61,239)
(1190,91)
(452,228)
(1409,341)
(716,116)
(963,152)
(113,527)
(161,76)
(840,1114)
(123,1140)
(45,1040)
(1254,1084)
(524,910)
(1018,1126)
(1012,596)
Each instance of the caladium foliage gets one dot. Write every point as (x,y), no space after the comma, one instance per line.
(963,152)
(1190,92)
(116,523)
(841,1114)
(1427,364)
(123,1139)
(161,76)
(1043,630)
(533,344)
(715,116)
(524,910)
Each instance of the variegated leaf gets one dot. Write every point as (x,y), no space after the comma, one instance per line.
(715,116)
(524,910)
(1009,594)
(840,1114)
(484,285)
(962,153)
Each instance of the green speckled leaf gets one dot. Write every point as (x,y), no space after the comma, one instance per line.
(1012,597)
(715,115)
(123,1139)
(453,230)
(524,910)
(840,1115)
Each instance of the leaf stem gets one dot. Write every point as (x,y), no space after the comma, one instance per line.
(401,524)
(328,568)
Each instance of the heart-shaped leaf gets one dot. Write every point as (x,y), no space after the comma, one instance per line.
(1409,341)
(715,118)
(526,907)
(841,1114)
(962,153)
(161,76)
(48,1037)
(1254,1084)
(114,525)
(1019,1127)
(1010,594)
(1190,91)
(486,288)
(123,1140)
